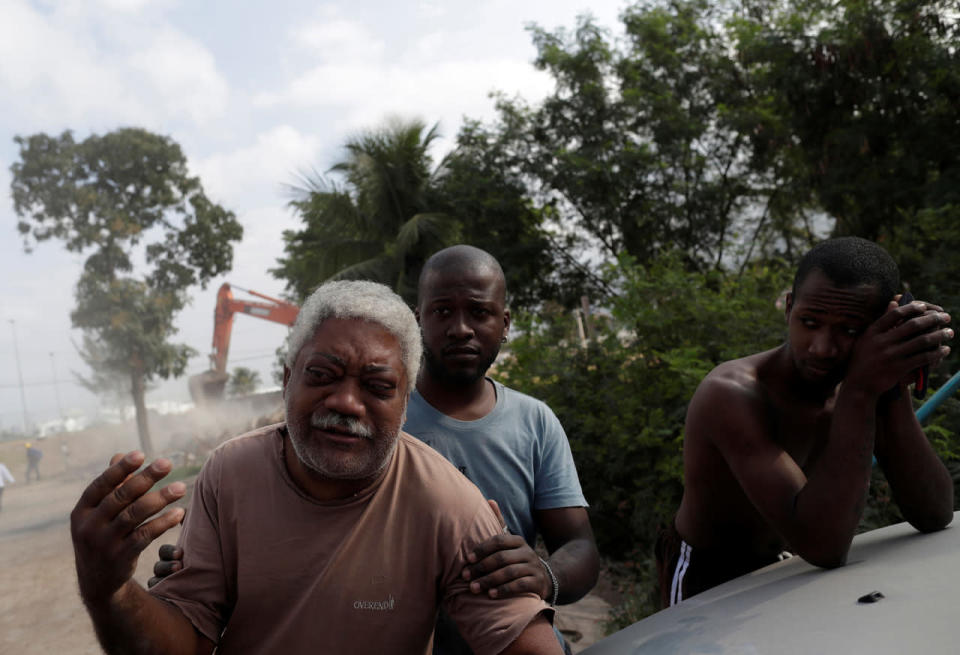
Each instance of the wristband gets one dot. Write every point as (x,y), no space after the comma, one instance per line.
(553,581)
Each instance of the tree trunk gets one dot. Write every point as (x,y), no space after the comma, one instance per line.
(138,387)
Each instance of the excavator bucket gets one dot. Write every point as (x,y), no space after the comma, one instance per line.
(207,388)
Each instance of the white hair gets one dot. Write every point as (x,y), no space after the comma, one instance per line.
(365,301)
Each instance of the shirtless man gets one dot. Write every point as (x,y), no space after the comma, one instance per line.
(778,445)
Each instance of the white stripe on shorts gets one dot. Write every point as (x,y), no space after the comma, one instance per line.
(676,588)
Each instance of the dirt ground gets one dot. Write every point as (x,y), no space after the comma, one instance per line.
(40,609)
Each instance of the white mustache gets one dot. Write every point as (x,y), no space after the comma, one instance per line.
(329,420)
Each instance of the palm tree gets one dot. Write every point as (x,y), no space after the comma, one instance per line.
(376,222)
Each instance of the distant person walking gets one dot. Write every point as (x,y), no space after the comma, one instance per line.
(5,476)
(65,452)
(34,455)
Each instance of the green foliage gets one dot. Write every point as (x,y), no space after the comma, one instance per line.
(856,101)
(479,185)
(117,196)
(643,147)
(925,245)
(636,582)
(385,210)
(243,381)
(667,330)
(377,224)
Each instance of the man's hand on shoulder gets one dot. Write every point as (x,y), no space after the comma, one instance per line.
(171,561)
(504,566)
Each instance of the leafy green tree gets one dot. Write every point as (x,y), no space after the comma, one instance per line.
(641,147)
(117,197)
(480,186)
(385,209)
(243,381)
(377,223)
(856,102)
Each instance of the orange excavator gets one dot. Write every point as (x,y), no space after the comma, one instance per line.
(208,387)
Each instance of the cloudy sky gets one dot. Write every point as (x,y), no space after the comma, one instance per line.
(254,92)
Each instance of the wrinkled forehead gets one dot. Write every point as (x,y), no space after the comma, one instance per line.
(356,341)
(819,294)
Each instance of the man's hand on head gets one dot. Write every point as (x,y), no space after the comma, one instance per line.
(110,526)
(905,338)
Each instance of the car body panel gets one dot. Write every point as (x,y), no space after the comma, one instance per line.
(795,607)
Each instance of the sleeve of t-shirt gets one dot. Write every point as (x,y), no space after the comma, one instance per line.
(488,625)
(555,481)
(199,589)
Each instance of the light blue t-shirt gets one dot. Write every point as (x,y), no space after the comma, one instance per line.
(518,454)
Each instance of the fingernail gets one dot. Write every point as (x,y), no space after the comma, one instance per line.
(133,458)
(949,333)
(471,557)
(177,488)
(466,574)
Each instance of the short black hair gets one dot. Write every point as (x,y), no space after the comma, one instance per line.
(459,258)
(849,262)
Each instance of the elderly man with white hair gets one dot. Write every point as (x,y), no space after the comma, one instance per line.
(333,532)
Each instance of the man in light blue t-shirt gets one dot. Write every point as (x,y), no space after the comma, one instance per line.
(507,443)
(517,454)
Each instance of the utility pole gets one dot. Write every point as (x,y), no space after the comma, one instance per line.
(23,396)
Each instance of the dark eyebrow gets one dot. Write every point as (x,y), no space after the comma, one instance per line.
(334,359)
(369,368)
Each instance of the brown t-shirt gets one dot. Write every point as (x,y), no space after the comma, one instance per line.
(267,569)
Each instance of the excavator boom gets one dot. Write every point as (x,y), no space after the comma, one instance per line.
(209,386)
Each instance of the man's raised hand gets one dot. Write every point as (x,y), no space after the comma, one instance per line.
(109,523)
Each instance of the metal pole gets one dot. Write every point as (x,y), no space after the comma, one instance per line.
(942,394)
(23,396)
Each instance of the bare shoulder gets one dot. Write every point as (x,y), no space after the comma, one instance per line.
(730,401)
(731,380)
